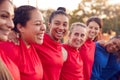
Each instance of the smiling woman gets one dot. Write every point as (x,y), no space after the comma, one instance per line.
(6,16)
(106,65)
(8,70)
(29,23)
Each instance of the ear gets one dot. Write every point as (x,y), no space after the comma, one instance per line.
(20,28)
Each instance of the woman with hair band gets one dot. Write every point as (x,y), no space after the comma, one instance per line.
(50,52)
(30,25)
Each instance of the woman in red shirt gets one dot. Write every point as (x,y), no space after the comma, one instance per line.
(50,52)
(30,24)
(88,49)
(8,70)
(73,66)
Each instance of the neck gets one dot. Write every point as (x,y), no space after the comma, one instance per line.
(56,40)
(90,39)
(26,43)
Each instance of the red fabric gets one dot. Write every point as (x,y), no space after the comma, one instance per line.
(51,57)
(27,60)
(87,54)
(13,69)
(73,66)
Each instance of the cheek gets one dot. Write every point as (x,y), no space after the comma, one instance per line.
(36,30)
(2,22)
(66,31)
(90,30)
(97,32)
(108,47)
(70,39)
(52,29)
(73,40)
(84,39)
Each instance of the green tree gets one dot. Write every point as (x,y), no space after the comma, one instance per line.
(109,13)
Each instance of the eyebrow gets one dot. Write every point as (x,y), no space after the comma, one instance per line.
(5,11)
(39,20)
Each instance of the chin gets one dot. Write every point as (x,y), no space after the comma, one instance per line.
(92,38)
(39,42)
(76,46)
(3,38)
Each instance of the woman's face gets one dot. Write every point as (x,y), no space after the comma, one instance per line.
(6,22)
(93,30)
(58,27)
(77,37)
(33,31)
(113,45)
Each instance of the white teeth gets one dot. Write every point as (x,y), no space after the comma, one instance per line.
(40,36)
(59,32)
(91,35)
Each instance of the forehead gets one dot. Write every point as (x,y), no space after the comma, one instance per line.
(79,29)
(116,41)
(93,24)
(61,18)
(36,14)
(6,6)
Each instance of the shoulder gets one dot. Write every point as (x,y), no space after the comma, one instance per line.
(64,53)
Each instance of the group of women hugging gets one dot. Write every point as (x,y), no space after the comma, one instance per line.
(29,52)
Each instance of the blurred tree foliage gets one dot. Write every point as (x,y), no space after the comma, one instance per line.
(46,15)
(86,8)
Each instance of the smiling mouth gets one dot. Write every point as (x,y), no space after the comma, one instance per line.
(5,33)
(59,33)
(41,36)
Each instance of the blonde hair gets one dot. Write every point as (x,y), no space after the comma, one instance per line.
(76,24)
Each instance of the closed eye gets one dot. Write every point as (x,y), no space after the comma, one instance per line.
(82,35)
(4,16)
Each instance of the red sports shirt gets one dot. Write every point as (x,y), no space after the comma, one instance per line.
(13,69)
(87,54)
(73,66)
(26,59)
(50,53)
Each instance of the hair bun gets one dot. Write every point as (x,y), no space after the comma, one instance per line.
(61,8)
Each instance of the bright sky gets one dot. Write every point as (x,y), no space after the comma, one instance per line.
(114,1)
(54,4)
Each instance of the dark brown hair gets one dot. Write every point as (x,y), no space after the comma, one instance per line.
(60,10)
(22,15)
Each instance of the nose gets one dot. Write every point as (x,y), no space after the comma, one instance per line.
(114,47)
(10,24)
(43,27)
(80,38)
(61,27)
(92,30)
